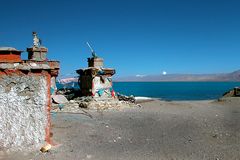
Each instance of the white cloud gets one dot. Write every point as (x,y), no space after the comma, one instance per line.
(140,75)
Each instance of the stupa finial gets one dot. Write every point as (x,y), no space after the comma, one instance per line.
(36,41)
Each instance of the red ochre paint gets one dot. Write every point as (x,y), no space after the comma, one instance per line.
(10,58)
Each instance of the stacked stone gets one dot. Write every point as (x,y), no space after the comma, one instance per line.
(95,80)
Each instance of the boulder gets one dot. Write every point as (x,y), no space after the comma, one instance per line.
(59,99)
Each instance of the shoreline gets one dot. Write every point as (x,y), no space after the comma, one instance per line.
(140,99)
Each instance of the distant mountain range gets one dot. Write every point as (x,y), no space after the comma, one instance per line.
(222,77)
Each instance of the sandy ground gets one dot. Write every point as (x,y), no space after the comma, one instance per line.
(159,130)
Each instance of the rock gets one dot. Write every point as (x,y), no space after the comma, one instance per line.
(237,91)
(232,93)
(59,99)
(72,101)
(83,105)
(46,148)
(229,94)
(88,99)
(126,98)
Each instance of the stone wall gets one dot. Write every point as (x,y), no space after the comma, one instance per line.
(23,110)
(25,99)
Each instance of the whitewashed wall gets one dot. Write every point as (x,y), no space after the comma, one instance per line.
(23,112)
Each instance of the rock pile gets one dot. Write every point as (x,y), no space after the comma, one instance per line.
(125,98)
(233,93)
(77,103)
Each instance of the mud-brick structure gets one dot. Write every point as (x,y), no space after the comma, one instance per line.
(25,96)
(96,81)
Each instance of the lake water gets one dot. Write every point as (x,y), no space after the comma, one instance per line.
(174,90)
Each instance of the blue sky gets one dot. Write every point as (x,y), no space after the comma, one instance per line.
(133,36)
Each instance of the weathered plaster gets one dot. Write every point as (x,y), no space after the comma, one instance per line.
(100,85)
(23,111)
(105,85)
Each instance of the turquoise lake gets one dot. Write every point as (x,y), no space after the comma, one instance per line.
(174,90)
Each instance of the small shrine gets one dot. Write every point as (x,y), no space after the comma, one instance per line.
(37,52)
(26,87)
(96,80)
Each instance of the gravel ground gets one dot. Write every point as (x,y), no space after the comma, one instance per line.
(159,130)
